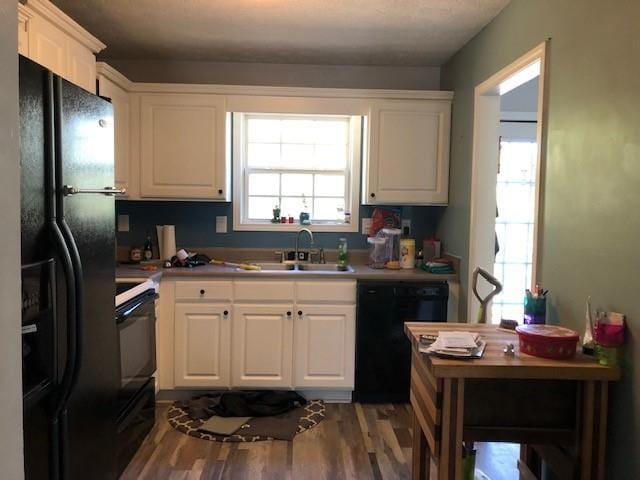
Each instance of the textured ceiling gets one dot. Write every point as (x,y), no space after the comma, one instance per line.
(356,32)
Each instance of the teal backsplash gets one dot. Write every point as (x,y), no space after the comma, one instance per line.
(195,226)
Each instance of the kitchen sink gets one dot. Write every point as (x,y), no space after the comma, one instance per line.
(325,267)
(307,267)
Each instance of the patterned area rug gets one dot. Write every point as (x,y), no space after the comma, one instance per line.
(312,414)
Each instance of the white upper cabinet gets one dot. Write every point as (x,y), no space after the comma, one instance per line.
(23,29)
(49,37)
(114,86)
(182,147)
(408,158)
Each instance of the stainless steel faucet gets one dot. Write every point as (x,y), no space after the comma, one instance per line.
(297,260)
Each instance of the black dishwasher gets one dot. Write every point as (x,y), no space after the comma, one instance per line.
(383,353)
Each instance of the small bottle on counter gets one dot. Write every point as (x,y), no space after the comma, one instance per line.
(343,253)
(148,249)
(419,258)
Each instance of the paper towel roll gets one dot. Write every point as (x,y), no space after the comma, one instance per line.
(160,240)
(168,241)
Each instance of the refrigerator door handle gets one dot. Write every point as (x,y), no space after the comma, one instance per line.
(69,190)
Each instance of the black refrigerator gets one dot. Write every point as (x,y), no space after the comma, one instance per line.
(70,356)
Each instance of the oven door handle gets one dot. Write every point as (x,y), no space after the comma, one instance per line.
(122,317)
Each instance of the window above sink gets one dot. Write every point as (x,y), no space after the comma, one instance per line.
(300,163)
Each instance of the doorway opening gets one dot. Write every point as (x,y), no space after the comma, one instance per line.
(506,182)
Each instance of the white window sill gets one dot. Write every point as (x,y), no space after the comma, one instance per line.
(294,227)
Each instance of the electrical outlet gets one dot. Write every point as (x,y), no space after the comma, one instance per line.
(366,226)
(406,223)
(221,224)
(123,223)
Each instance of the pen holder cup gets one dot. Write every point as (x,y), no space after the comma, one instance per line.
(607,338)
(535,310)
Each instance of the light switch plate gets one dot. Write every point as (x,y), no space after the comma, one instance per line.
(221,224)
(406,222)
(123,223)
(366,226)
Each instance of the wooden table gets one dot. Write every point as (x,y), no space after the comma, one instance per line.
(557,410)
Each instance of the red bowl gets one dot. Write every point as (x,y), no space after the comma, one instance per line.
(547,341)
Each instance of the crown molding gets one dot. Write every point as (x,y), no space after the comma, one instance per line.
(293,91)
(52,13)
(113,75)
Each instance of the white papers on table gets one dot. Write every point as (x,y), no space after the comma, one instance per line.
(456,344)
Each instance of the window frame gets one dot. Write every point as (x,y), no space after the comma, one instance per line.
(241,177)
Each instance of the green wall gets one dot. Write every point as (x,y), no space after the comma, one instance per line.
(591,213)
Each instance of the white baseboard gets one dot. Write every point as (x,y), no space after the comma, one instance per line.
(329,396)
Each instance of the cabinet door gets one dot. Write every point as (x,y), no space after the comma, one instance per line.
(408,160)
(183,146)
(324,346)
(121,119)
(47,45)
(262,345)
(81,66)
(202,341)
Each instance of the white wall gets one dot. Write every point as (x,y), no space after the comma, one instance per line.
(11,460)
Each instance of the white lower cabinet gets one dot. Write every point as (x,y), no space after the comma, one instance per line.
(201,345)
(324,346)
(269,334)
(261,347)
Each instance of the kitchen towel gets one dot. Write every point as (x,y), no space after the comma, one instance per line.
(224,425)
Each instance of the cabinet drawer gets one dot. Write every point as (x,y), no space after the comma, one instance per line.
(265,291)
(324,291)
(205,290)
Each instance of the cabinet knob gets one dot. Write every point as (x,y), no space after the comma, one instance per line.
(288,314)
(226,312)
(202,292)
(300,312)
(220,192)
(373,195)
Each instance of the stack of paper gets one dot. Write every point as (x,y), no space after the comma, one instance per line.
(456,344)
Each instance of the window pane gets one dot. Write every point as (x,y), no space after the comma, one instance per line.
(514,282)
(330,157)
(297,156)
(294,184)
(332,132)
(293,206)
(328,209)
(329,185)
(516,243)
(261,208)
(298,130)
(263,155)
(264,184)
(263,130)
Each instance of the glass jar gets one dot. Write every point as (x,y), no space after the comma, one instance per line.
(392,236)
(377,252)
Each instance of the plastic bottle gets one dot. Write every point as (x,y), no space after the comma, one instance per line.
(148,249)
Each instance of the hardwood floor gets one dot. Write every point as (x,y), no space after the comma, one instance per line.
(353,442)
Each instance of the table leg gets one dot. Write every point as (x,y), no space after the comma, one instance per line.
(420,455)
(450,462)
(593,430)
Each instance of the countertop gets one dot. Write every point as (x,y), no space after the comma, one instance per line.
(494,364)
(360,272)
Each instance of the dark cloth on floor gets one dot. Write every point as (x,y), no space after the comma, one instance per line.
(243,404)
(279,427)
